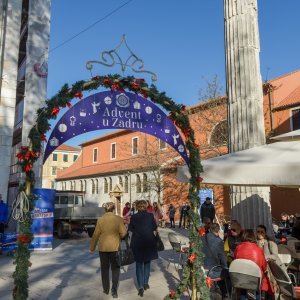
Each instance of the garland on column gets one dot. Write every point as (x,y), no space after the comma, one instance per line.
(193,275)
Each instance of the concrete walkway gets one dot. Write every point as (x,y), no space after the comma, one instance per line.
(70,271)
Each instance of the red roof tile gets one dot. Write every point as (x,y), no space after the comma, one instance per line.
(137,163)
(291,100)
(64,147)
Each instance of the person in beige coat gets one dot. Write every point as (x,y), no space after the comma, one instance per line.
(109,230)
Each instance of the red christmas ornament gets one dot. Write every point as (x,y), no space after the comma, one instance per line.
(199,179)
(115,87)
(208,282)
(20,156)
(134,86)
(202,231)
(193,257)
(78,95)
(196,145)
(55,111)
(139,80)
(172,294)
(97,77)
(29,154)
(43,137)
(23,148)
(187,132)
(106,81)
(23,239)
(144,95)
(28,168)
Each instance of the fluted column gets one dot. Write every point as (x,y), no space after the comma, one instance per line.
(250,205)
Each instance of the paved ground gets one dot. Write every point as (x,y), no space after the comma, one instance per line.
(71,272)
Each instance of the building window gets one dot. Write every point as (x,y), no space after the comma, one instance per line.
(95,155)
(296,119)
(219,135)
(138,184)
(120,181)
(93,186)
(65,158)
(162,145)
(145,184)
(97,186)
(54,157)
(110,184)
(75,157)
(134,146)
(105,186)
(54,170)
(113,151)
(126,184)
(52,184)
(81,185)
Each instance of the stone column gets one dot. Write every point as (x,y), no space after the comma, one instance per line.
(36,70)
(10,23)
(250,205)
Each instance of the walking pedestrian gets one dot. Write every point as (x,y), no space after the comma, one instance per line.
(171,212)
(156,213)
(207,210)
(143,244)
(183,213)
(108,232)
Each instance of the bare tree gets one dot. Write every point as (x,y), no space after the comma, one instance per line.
(159,162)
(209,119)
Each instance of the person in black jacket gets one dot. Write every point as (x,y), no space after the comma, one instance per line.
(207,210)
(143,244)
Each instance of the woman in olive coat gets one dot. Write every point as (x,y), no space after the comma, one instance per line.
(143,244)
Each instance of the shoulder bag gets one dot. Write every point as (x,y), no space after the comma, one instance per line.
(125,256)
(159,243)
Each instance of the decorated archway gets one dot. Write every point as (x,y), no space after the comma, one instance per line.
(129,103)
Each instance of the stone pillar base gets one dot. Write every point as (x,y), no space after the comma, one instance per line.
(250,206)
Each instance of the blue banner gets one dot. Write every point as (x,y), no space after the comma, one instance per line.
(8,241)
(43,219)
(115,110)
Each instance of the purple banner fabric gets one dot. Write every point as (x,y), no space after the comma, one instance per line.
(115,110)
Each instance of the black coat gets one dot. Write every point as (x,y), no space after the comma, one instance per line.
(143,240)
(207,210)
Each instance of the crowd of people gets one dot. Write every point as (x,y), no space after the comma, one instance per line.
(239,243)
(141,219)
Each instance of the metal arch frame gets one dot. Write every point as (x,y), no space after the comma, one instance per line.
(136,65)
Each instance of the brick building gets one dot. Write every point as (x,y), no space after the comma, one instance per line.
(127,165)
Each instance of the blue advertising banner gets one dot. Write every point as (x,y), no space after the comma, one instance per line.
(43,219)
(8,241)
(115,110)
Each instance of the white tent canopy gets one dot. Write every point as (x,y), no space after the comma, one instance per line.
(290,136)
(276,164)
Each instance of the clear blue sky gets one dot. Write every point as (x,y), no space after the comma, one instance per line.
(181,41)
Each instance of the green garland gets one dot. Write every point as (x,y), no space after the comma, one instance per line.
(28,155)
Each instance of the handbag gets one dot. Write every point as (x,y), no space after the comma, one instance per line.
(125,256)
(159,243)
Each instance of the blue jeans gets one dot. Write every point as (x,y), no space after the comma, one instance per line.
(142,273)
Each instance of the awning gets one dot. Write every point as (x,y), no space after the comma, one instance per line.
(276,164)
(290,136)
